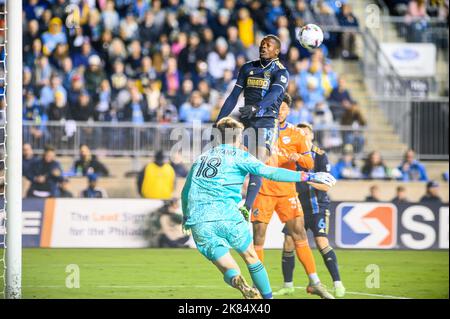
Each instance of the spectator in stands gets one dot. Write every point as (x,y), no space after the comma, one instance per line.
(191,54)
(246,24)
(274,11)
(83,109)
(47,94)
(432,194)
(339,99)
(220,60)
(136,110)
(104,100)
(346,18)
(412,169)
(353,117)
(346,167)
(157,179)
(195,109)
(165,226)
(374,167)
(94,75)
(53,36)
(63,189)
(44,174)
(92,191)
(58,109)
(28,158)
(416,19)
(313,93)
(298,113)
(400,197)
(88,164)
(110,17)
(374,195)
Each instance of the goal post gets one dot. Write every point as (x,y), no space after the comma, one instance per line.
(13,149)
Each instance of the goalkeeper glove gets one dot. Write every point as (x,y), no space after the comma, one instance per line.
(244,211)
(320,177)
(248,111)
(186,231)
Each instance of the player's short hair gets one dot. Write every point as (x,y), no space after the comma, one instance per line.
(306,125)
(275,38)
(230,130)
(287,98)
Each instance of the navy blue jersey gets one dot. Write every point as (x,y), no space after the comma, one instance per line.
(314,201)
(257,81)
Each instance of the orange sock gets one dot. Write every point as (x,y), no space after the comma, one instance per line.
(304,254)
(260,252)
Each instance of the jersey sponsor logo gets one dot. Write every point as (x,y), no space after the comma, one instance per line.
(366,225)
(286,139)
(258,83)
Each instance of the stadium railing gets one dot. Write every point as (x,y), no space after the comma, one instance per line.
(128,139)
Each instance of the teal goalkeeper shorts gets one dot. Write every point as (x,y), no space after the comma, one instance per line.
(214,239)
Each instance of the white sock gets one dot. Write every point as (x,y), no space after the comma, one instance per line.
(338,284)
(288,284)
(313,278)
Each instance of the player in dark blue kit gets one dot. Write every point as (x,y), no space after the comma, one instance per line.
(264,82)
(316,208)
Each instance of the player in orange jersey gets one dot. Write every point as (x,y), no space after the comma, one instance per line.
(292,148)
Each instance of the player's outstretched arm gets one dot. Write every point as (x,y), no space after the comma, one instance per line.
(252,165)
(230,102)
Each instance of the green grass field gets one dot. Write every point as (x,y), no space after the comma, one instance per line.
(161,273)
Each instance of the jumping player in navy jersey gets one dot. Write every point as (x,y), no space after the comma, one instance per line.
(264,83)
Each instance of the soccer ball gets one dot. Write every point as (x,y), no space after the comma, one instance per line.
(310,36)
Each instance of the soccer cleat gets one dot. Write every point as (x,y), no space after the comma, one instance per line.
(285,291)
(339,291)
(319,290)
(247,291)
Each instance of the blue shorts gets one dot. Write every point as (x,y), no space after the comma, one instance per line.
(317,223)
(260,137)
(214,239)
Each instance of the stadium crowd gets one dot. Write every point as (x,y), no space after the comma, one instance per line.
(174,61)
(158,178)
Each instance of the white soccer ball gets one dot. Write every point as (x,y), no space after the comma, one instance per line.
(310,36)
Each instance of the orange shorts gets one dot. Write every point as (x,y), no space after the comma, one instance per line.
(287,208)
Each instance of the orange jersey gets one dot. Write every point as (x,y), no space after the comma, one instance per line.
(291,139)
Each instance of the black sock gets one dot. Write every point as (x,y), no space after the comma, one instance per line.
(288,265)
(254,184)
(330,259)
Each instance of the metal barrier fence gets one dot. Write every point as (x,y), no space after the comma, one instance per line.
(127,139)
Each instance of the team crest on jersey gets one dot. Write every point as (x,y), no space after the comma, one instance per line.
(267,74)
(286,139)
(283,79)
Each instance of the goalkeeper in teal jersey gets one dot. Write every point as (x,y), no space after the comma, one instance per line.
(210,200)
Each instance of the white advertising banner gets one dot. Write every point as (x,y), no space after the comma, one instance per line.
(101,222)
(411,60)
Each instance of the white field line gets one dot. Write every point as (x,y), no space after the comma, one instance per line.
(201,286)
